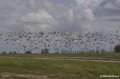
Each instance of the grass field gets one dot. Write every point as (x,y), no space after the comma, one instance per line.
(95,55)
(58,69)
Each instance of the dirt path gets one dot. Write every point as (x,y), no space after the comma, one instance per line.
(83,59)
(22,76)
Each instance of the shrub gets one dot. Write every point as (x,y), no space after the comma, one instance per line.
(45,51)
(28,52)
(10,52)
(4,52)
(14,52)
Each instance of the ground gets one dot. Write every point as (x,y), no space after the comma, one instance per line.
(56,67)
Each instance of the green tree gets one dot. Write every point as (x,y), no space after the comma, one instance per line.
(117,48)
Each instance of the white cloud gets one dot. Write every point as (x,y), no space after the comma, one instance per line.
(88,15)
(48,15)
(110,5)
(40,17)
(40,21)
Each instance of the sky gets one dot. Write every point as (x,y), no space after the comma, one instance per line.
(59,15)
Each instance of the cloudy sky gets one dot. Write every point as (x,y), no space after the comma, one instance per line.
(59,15)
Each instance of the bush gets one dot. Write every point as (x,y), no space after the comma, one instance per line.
(28,52)
(12,52)
(4,52)
(45,51)
(117,48)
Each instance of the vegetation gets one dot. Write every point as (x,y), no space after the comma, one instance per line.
(52,55)
(57,66)
(117,48)
(4,52)
(60,69)
(12,52)
(28,52)
(45,51)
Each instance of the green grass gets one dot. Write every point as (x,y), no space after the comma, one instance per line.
(60,69)
(95,55)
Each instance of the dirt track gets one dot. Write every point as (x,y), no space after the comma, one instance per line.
(24,76)
(84,59)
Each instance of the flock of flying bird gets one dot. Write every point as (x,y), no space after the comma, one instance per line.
(60,41)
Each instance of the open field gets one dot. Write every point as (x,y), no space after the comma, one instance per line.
(28,68)
(38,55)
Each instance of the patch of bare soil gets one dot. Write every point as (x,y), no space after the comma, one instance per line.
(22,76)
